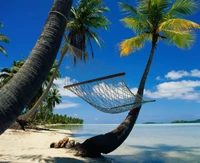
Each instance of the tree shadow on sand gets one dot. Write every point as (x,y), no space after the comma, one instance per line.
(42,159)
(160,154)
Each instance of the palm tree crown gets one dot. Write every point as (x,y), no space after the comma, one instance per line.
(154,20)
(86,17)
(5,39)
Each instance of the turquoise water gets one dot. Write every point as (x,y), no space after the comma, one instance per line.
(150,143)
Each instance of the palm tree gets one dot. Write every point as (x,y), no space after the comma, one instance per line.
(151,20)
(52,99)
(165,23)
(7,74)
(15,95)
(84,17)
(5,39)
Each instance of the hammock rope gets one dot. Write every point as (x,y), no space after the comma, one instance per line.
(109,93)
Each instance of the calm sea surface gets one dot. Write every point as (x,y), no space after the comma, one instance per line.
(150,143)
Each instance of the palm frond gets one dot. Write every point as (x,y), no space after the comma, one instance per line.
(3,38)
(183,7)
(97,22)
(3,50)
(94,36)
(181,39)
(136,24)
(64,48)
(85,18)
(131,45)
(127,8)
(5,70)
(4,75)
(178,24)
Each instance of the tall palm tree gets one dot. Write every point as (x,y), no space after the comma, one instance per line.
(85,18)
(151,20)
(52,99)
(15,95)
(154,20)
(5,39)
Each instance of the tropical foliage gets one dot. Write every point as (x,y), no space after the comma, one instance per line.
(52,99)
(44,113)
(7,73)
(57,119)
(5,39)
(85,19)
(155,20)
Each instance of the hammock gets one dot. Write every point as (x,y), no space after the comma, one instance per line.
(108,94)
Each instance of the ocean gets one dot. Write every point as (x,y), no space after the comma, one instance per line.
(149,143)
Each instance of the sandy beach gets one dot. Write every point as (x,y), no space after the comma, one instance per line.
(33,146)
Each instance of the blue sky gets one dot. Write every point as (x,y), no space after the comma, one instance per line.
(174,78)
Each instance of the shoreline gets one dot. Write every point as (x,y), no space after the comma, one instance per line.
(33,146)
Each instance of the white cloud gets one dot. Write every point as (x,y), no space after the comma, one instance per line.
(76,115)
(181,73)
(185,89)
(66,105)
(134,90)
(96,119)
(65,92)
(176,74)
(195,73)
(60,83)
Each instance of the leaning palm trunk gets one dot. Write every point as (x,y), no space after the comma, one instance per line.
(15,95)
(93,147)
(33,110)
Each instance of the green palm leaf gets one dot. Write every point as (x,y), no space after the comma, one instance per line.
(181,39)
(3,38)
(85,19)
(178,24)
(130,45)
(3,50)
(127,8)
(183,7)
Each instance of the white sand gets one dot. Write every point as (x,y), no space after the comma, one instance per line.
(33,146)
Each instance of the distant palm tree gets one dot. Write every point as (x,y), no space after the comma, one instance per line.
(6,74)
(151,20)
(5,39)
(86,17)
(52,99)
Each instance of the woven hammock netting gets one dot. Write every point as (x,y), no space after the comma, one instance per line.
(99,84)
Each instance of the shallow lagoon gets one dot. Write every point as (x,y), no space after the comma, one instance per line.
(149,143)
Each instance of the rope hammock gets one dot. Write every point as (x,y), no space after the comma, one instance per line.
(107,93)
